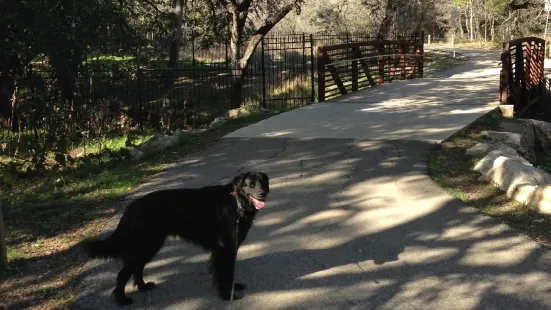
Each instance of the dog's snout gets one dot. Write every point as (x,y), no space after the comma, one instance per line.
(262,194)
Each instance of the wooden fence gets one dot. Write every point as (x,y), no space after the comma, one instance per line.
(522,79)
(348,67)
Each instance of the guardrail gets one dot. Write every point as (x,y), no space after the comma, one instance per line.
(349,67)
(522,79)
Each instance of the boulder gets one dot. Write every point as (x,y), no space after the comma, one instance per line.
(483,148)
(217,122)
(536,197)
(154,144)
(507,110)
(487,163)
(510,173)
(135,154)
(523,142)
(543,135)
(245,111)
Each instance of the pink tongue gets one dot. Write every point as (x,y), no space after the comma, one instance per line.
(259,204)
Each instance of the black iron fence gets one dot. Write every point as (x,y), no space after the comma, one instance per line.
(281,76)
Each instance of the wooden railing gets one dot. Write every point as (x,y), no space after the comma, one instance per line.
(522,80)
(345,68)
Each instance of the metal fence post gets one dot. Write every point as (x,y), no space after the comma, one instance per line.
(3,250)
(140,108)
(263,66)
(193,51)
(304,70)
(313,83)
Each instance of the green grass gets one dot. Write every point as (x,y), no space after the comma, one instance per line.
(451,168)
(46,217)
(63,199)
(437,62)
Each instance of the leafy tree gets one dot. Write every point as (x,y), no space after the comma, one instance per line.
(263,15)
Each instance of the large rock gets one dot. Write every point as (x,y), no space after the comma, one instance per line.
(136,154)
(217,122)
(245,111)
(510,173)
(536,197)
(483,148)
(154,144)
(487,163)
(523,142)
(543,135)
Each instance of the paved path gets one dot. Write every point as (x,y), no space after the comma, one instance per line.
(353,220)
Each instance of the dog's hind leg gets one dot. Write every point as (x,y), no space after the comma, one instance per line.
(122,279)
(150,247)
(138,279)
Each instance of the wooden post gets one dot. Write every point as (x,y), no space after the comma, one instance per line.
(381,58)
(321,74)
(520,80)
(403,51)
(354,53)
(504,79)
(3,251)
(420,52)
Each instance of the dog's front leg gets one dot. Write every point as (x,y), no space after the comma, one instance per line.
(223,264)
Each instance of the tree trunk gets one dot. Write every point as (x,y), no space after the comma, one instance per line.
(238,74)
(390,12)
(492,30)
(471,22)
(467,22)
(3,251)
(239,62)
(7,87)
(177,34)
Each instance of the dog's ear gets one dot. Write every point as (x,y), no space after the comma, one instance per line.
(265,176)
(238,181)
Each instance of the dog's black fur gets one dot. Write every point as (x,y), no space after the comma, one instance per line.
(203,216)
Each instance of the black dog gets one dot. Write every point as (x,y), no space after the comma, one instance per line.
(205,216)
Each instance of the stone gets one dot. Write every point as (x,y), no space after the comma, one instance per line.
(245,111)
(136,154)
(483,148)
(487,163)
(510,173)
(158,143)
(217,122)
(523,142)
(507,110)
(543,135)
(536,197)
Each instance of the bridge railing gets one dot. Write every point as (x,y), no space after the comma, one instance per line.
(522,79)
(349,67)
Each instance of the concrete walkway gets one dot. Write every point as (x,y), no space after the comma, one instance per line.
(353,220)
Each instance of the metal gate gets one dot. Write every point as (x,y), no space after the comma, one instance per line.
(287,63)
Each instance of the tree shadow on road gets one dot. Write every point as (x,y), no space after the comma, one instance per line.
(349,224)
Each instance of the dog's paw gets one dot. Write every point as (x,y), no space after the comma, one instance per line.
(123,300)
(147,286)
(236,295)
(239,286)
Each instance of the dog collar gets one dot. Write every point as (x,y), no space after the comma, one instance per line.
(240,209)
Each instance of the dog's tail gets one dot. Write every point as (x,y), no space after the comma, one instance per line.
(106,248)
